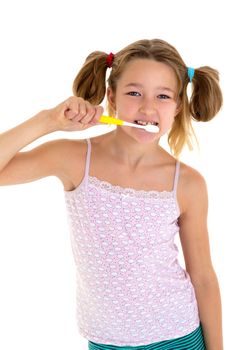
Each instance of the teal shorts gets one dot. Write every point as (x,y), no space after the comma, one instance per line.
(192,341)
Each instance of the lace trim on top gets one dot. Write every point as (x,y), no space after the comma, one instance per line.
(107,186)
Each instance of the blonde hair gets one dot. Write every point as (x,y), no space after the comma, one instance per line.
(205,102)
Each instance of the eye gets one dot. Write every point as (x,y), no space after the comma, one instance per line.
(133,93)
(163,97)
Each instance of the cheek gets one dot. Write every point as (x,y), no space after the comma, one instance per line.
(167,116)
(171,109)
(125,107)
(166,123)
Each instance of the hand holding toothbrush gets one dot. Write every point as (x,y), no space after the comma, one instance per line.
(75,114)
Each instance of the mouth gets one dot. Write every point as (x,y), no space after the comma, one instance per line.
(146,122)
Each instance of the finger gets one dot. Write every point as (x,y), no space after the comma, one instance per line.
(99,111)
(91,111)
(82,111)
(70,114)
(72,104)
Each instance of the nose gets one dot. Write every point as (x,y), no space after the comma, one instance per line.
(148,106)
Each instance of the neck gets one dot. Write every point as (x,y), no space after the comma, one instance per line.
(130,152)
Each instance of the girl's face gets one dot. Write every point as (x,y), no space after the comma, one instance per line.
(146,91)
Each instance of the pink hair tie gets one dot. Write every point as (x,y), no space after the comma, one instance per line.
(110,59)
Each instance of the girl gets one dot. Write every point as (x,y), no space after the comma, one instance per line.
(127,198)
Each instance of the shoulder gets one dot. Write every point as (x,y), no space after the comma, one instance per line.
(62,151)
(190,177)
(70,149)
(192,187)
(65,145)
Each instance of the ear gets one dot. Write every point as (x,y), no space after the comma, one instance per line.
(111,98)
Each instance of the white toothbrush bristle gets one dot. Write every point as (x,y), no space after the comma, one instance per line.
(151,128)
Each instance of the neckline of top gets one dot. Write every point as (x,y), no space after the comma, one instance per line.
(105,185)
(119,190)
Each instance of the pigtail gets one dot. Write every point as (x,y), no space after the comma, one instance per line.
(90,83)
(206,99)
(204,103)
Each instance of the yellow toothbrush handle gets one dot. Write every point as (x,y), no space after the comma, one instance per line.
(110,120)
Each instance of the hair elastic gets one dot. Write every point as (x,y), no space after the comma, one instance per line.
(109,59)
(191,72)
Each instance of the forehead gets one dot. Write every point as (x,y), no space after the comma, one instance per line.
(148,72)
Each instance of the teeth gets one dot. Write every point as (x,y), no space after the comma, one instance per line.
(143,122)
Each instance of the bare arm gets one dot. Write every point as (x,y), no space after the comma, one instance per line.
(195,243)
(15,139)
(19,167)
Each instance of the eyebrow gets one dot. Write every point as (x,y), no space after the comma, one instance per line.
(159,87)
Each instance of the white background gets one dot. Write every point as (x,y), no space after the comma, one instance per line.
(43,45)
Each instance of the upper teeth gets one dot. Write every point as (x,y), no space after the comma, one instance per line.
(143,122)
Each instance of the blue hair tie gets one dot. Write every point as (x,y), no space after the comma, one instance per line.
(191,72)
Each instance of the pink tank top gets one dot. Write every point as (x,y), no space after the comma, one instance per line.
(131,289)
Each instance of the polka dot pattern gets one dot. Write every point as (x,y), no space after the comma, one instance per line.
(131,289)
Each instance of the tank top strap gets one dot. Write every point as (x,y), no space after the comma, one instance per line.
(176,177)
(88,157)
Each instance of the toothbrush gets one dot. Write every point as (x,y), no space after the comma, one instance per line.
(110,120)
